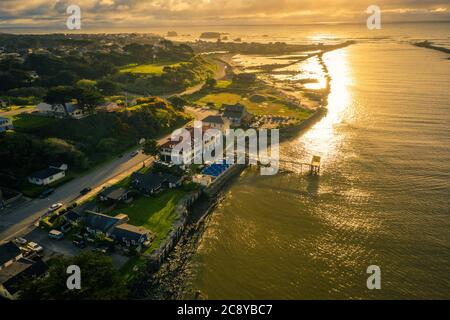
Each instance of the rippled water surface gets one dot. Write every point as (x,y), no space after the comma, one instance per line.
(382,197)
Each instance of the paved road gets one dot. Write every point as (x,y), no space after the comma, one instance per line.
(20,220)
(16,112)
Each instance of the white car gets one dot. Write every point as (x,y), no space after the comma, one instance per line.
(55,206)
(20,241)
(35,247)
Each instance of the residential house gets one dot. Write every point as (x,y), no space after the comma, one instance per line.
(237,114)
(57,110)
(101,223)
(152,183)
(130,235)
(115,194)
(60,166)
(217,122)
(9,253)
(21,270)
(86,206)
(5,124)
(46,176)
(72,217)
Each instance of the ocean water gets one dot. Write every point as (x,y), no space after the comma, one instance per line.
(382,197)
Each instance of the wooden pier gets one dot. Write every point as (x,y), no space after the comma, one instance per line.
(314,165)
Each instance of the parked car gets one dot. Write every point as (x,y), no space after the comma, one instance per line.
(33,246)
(21,241)
(55,207)
(66,227)
(46,193)
(103,249)
(79,243)
(134,154)
(85,191)
(55,234)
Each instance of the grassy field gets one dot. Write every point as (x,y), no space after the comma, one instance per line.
(256,97)
(222,84)
(270,106)
(27,122)
(155,68)
(154,213)
(219,98)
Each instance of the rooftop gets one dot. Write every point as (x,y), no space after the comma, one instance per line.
(43,174)
(213,119)
(8,251)
(13,274)
(98,221)
(114,193)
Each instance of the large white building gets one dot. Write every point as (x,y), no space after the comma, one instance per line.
(207,145)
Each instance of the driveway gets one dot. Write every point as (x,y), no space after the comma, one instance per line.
(66,248)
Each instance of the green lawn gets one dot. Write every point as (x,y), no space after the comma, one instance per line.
(222,84)
(154,213)
(29,122)
(154,68)
(220,98)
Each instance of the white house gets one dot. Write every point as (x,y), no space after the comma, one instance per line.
(46,176)
(188,157)
(5,124)
(59,111)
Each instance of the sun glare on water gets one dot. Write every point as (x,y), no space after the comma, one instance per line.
(323,139)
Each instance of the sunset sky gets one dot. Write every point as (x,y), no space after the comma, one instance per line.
(135,13)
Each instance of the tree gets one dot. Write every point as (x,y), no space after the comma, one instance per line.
(60,95)
(150,148)
(108,87)
(178,103)
(210,83)
(99,280)
(87,95)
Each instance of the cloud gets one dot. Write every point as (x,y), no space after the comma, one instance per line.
(134,13)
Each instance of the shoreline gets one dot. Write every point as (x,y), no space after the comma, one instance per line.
(166,282)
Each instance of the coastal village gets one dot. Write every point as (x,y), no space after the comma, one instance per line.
(138,215)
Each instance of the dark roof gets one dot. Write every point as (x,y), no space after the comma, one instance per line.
(87,206)
(149,181)
(22,269)
(43,174)
(72,216)
(8,251)
(214,119)
(114,193)
(101,222)
(234,111)
(128,232)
